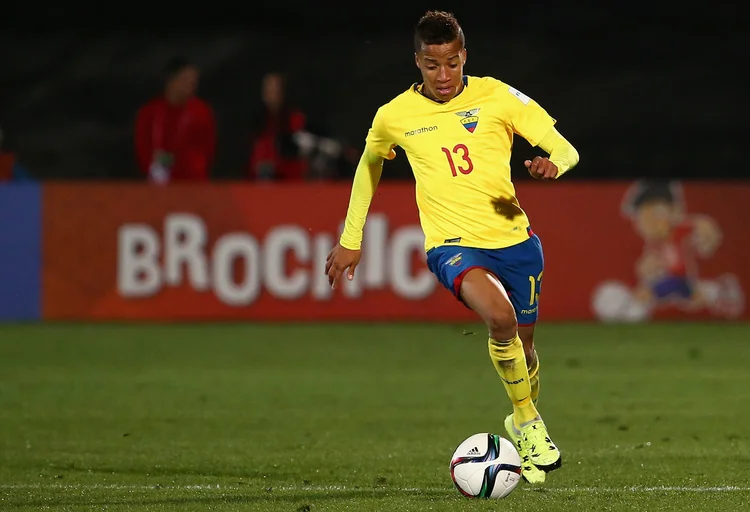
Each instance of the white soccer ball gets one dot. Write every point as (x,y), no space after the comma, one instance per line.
(613,301)
(486,466)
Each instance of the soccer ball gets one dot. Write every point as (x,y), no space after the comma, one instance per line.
(614,301)
(486,466)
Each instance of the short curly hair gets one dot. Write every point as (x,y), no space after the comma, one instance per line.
(437,27)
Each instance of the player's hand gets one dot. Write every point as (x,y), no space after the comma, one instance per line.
(541,168)
(341,260)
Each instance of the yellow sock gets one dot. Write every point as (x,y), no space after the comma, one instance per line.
(510,362)
(534,378)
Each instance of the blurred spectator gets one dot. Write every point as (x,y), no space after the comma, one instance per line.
(329,156)
(285,145)
(10,168)
(175,133)
(274,152)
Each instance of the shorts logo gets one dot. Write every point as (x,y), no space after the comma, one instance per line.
(454,261)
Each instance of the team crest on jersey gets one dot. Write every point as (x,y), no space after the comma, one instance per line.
(469,119)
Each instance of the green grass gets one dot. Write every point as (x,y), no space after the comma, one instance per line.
(363,417)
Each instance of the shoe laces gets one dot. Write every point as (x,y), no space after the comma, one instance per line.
(535,436)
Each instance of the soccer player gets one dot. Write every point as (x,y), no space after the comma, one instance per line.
(457,132)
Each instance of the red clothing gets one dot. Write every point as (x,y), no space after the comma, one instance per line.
(187,132)
(675,252)
(7,160)
(273,145)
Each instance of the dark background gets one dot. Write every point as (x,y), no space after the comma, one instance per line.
(640,90)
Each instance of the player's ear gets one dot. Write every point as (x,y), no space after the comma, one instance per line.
(463,55)
(416,59)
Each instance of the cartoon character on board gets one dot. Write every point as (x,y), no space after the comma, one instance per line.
(667,271)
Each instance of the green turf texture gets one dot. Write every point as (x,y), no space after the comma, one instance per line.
(363,417)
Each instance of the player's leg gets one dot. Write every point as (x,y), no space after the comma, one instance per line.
(525,277)
(485,295)
(520,269)
(526,333)
(457,268)
(482,292)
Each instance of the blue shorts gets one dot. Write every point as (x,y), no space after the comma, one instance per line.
(519,268)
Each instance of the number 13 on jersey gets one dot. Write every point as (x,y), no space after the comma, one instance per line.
(459,159)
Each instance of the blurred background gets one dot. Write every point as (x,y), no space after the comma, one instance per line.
(137,144)
(641,92)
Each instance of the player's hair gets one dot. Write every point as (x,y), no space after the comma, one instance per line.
(437,27)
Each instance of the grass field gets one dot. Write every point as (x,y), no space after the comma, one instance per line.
(363,417)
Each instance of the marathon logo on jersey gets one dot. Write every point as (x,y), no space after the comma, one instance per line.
(469,119)
(424,129)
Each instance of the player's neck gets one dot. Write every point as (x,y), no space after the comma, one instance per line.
(421,90)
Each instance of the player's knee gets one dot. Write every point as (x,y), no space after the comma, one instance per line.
(502,324)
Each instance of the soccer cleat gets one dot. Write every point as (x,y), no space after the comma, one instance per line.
(537,443)
(529,471)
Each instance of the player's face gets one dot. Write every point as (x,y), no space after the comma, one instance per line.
(442,67)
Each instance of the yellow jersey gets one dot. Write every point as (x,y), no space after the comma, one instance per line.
(459,152)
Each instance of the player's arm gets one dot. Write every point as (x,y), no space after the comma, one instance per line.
(561,152)
(347,252)
(532,122)
(366,179)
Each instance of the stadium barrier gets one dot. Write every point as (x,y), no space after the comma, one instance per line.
(613,252)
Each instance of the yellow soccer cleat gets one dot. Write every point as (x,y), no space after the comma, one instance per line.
(537,443)
(529,471)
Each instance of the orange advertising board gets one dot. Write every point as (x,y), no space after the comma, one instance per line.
(613,252)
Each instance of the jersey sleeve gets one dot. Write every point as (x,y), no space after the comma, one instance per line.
(527,118)
(378,140)
(561,152)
